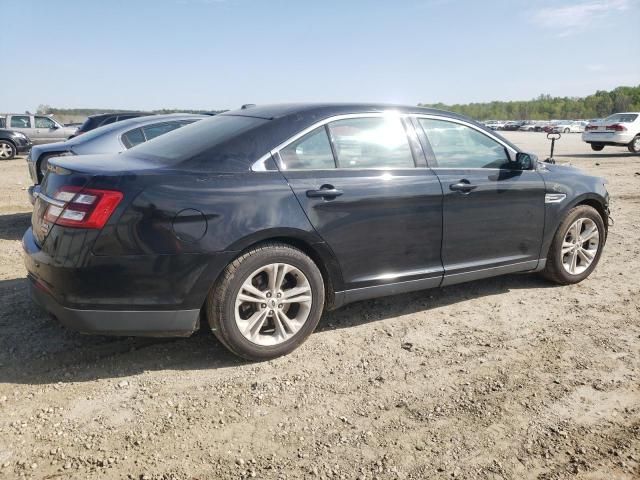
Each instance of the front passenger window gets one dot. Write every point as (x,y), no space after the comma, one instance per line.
(459,146)
(44,122)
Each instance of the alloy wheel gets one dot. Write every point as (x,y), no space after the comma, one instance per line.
(273,304)
(580,246)
(635,145)
(6,151)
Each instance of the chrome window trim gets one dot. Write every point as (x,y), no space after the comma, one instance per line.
(510,149)
(260,164)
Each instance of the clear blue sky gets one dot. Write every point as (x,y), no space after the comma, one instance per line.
(147,54)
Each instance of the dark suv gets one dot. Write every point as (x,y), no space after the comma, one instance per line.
(95,121)
(260,219)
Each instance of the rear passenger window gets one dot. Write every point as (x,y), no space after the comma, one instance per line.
(459,146)
(20,121)
(153,131)
(379,142)
(133,138)
(310,152)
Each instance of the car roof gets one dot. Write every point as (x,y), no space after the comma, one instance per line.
(324,110)
(104,115)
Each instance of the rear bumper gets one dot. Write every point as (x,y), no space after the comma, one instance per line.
(171,323)
(608,138)
(150,295)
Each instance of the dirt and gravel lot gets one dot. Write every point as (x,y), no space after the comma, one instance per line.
(507,378)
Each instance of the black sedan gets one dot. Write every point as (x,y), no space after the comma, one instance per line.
(260,219)
(12,143)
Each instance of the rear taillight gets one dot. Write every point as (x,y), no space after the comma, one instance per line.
(591,127)
(616,127)
(82,208)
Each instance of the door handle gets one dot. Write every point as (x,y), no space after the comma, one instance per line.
(462,186)
(326,191)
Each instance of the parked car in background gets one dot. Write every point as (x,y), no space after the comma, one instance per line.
(261,219)
(619,129)
(494,124)
(512,126)
(569,127)
(540,126)
(12,143)
(528,127)
(102,119)
(548,128)
(39,128)
(113,138)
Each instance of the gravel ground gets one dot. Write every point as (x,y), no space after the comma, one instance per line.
(507,378)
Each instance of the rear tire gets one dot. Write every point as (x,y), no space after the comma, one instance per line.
(596,147)
(571,239)
(267,302)
(7,150)
(634,146)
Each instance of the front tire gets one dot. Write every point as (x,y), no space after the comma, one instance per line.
(566,130)
(7,150)
(267,302)
(634,146)
(597,147)
(576,246)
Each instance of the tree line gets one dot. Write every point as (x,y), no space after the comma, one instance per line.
(546,107)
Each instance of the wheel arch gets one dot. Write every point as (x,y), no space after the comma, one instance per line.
(8,140)
(309,243)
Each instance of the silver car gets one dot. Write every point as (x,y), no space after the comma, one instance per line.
(39,128)
(112,138)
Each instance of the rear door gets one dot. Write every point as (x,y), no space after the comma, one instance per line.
(371,197)
(493,214)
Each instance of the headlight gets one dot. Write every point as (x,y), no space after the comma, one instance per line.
(20,135)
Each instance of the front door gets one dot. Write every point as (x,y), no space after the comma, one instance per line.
(379,211)
(47,131)
(493,214)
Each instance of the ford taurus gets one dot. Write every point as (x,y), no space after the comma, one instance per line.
(258,220)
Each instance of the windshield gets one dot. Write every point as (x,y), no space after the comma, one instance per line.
(622,117)
(195,139)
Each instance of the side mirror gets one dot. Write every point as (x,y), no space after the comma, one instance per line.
(525,161)
(55,126)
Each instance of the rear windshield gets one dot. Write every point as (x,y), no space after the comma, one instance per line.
(195,139)
(87,124)
(622,117)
